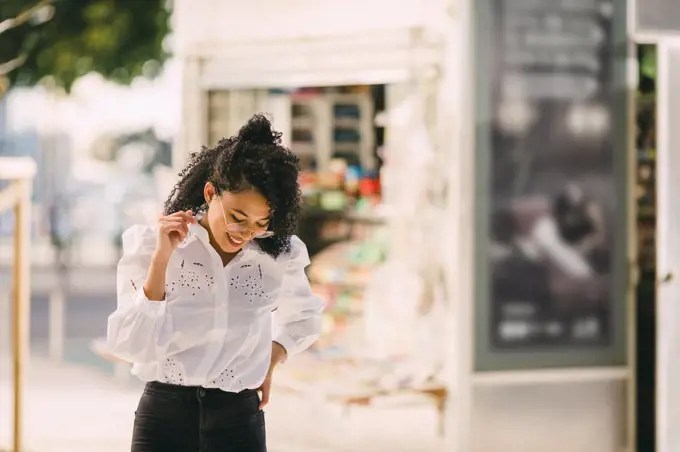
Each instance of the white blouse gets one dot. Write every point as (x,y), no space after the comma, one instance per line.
(216,325)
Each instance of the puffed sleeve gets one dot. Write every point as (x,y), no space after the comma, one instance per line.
(135,329)
(299,317)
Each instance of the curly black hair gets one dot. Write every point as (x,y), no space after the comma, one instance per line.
(252,159)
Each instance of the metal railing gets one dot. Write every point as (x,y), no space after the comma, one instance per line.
(17,196)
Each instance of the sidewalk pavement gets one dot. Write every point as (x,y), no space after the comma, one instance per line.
(76,409)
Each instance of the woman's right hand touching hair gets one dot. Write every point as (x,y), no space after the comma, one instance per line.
(172,229)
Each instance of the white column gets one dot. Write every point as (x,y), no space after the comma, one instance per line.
(193,125)
(456,129)
(56,319)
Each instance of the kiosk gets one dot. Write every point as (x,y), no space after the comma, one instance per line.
(267,56)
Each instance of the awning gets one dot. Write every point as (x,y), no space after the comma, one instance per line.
(371,58)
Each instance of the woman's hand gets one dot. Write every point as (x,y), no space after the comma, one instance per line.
(172,229)
(278,356)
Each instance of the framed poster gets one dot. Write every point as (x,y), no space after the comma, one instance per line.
(552,151)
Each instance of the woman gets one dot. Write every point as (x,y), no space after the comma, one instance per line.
(215,296)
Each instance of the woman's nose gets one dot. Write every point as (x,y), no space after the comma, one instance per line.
(247,234)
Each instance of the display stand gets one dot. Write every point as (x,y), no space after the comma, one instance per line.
(321,116)
(19,172)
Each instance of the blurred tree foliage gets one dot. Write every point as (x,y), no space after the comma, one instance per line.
(646,98)
(647,63)
(62,40)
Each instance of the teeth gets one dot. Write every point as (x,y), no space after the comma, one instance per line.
(234,239)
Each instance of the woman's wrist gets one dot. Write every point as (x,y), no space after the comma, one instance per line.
(160,258)
(154,288)
(279,353)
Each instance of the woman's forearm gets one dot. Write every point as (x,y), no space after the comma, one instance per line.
(154,287)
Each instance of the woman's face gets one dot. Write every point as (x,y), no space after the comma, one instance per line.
(234,218)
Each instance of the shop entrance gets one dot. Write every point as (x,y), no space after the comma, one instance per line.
(370,191)
(646,167)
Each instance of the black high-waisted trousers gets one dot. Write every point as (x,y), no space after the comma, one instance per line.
(173,418)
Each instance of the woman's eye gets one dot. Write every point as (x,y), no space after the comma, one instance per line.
(236,219)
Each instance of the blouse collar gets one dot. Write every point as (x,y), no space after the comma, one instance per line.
(198,232)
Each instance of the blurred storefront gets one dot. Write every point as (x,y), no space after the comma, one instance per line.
(477,209)
(440,141)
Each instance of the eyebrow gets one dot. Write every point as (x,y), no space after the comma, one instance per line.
(239,211)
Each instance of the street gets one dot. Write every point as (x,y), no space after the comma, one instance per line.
(89,300)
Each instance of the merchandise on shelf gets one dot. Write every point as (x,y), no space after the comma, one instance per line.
(646,186)
(340,274)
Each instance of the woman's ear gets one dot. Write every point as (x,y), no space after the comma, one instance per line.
(209,192)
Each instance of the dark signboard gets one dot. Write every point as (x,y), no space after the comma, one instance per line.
(552,154)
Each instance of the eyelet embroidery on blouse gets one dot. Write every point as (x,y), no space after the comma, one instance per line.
(248,283)
(191,280)
(172,372)
(227,380)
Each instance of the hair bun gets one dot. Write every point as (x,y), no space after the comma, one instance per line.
(259,130)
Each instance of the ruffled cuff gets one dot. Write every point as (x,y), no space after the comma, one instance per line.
(151,309)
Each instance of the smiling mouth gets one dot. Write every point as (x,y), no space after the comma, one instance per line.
(234,241)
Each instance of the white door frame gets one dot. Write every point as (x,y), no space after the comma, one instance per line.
(667,326)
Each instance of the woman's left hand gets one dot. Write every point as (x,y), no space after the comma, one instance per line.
(278,356)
